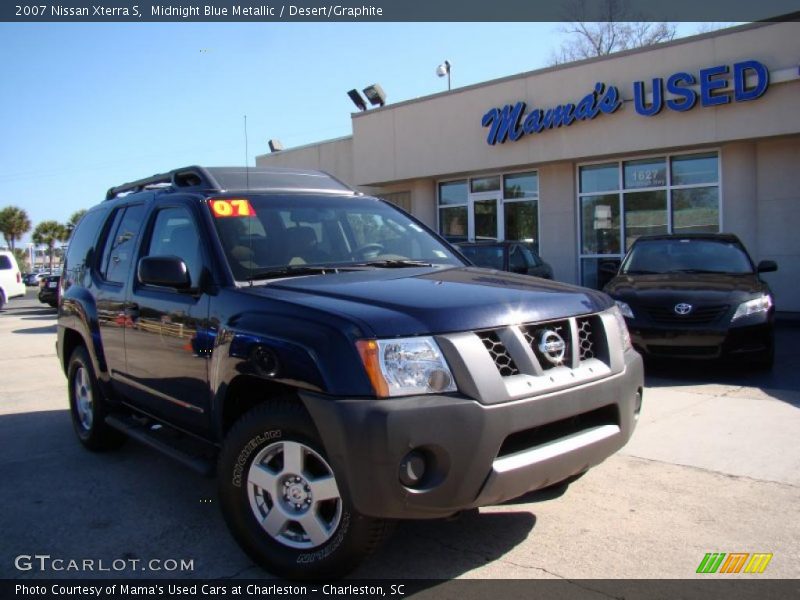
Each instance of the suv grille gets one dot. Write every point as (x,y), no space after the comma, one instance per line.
(533,335)
(552,344)
(502,359)
(586,338)
(698,316)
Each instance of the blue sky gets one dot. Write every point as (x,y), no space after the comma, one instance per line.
(88,106)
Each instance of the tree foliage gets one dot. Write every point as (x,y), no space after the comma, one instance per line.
(49,233)
(14,223)
(605,28)
(73,221)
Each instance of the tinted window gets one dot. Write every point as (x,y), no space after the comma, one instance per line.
(5,262)
(83,237)
(516,260)
(175,234)
(687,255)
(121,243)
(490,257)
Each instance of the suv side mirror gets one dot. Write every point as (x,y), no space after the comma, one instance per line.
(767,266)
(166,271)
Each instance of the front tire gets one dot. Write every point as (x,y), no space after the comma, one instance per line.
(87,406)
(282,499)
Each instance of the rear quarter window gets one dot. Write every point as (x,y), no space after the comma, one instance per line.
(84,237)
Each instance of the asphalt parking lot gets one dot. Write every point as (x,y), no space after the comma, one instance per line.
(714,466)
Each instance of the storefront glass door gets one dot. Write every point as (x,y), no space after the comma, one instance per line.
(485,219)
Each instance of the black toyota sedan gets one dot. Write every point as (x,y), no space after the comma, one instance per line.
(696,296)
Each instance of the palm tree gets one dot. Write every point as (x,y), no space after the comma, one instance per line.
(47,233)
(14,223)
(73,221)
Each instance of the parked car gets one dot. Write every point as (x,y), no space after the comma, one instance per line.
(696,296)
(48,289)
(33,279)
(11,284)
(338,365)
(513,256)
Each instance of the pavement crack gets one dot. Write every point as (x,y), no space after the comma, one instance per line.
(705,470)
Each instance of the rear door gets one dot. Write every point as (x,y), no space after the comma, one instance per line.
(111,276)
(170,342)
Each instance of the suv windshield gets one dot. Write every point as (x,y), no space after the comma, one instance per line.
(686,256)
(268,235)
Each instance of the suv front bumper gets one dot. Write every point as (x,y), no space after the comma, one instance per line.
(472,458)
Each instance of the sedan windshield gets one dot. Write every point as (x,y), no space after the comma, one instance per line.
(686,256)
(267,236)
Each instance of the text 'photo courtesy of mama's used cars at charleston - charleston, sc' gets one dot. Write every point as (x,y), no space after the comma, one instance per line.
(336,363)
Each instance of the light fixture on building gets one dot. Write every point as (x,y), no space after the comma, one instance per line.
(275,145)
(444,69)
(357,99)
(375,95)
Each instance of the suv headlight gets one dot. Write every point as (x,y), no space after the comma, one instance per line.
(751,307)
(405,366)
(623,328)
(625,309)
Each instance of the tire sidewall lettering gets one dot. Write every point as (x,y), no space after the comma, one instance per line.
(330,548)
(243,459)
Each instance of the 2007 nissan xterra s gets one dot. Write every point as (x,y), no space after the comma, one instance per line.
(338,363)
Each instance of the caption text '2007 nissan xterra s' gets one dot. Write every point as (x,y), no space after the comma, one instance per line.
(336,362)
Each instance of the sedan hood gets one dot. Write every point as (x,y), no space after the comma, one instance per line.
(415,301)
(711,287)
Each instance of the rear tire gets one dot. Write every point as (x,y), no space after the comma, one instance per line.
(284,503)
(88,406)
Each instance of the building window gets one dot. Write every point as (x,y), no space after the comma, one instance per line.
(622,200)
(502,207)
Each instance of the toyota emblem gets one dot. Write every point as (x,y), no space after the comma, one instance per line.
(683,308)
(552,346)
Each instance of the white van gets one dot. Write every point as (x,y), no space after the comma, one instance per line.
(11,284)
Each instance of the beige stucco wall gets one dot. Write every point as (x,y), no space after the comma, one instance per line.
(410,146)
(442,135)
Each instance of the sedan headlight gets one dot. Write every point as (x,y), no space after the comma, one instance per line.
(751,307)
(405,366)
(625,309)
(623,328)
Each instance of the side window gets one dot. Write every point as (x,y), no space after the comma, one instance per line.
(530,257)
(121,243)
(83,238)
(516,260)
(5,263)
(175,234)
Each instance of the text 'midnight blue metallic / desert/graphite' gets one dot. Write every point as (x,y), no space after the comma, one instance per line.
(511,123)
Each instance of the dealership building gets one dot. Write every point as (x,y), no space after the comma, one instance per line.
(701,134)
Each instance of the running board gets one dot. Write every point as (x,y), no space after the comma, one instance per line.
(165,440)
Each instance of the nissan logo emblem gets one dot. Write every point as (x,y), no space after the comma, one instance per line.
(683,308)
(552,346)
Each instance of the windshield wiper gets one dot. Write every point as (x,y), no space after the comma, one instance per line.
(293,270)
(395,264)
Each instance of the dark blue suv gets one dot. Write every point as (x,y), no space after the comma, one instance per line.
(335,361)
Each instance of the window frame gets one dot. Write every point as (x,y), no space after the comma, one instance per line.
(621,190)
(498,195)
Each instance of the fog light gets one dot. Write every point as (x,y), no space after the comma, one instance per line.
(439,380)
(412,468)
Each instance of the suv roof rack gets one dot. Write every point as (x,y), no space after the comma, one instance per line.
(240,179)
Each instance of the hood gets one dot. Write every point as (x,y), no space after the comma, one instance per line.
(710,287)
(416,301)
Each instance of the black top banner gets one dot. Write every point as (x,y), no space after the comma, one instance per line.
(398,10)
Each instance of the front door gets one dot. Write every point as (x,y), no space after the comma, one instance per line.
(485,217)
(168,346)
